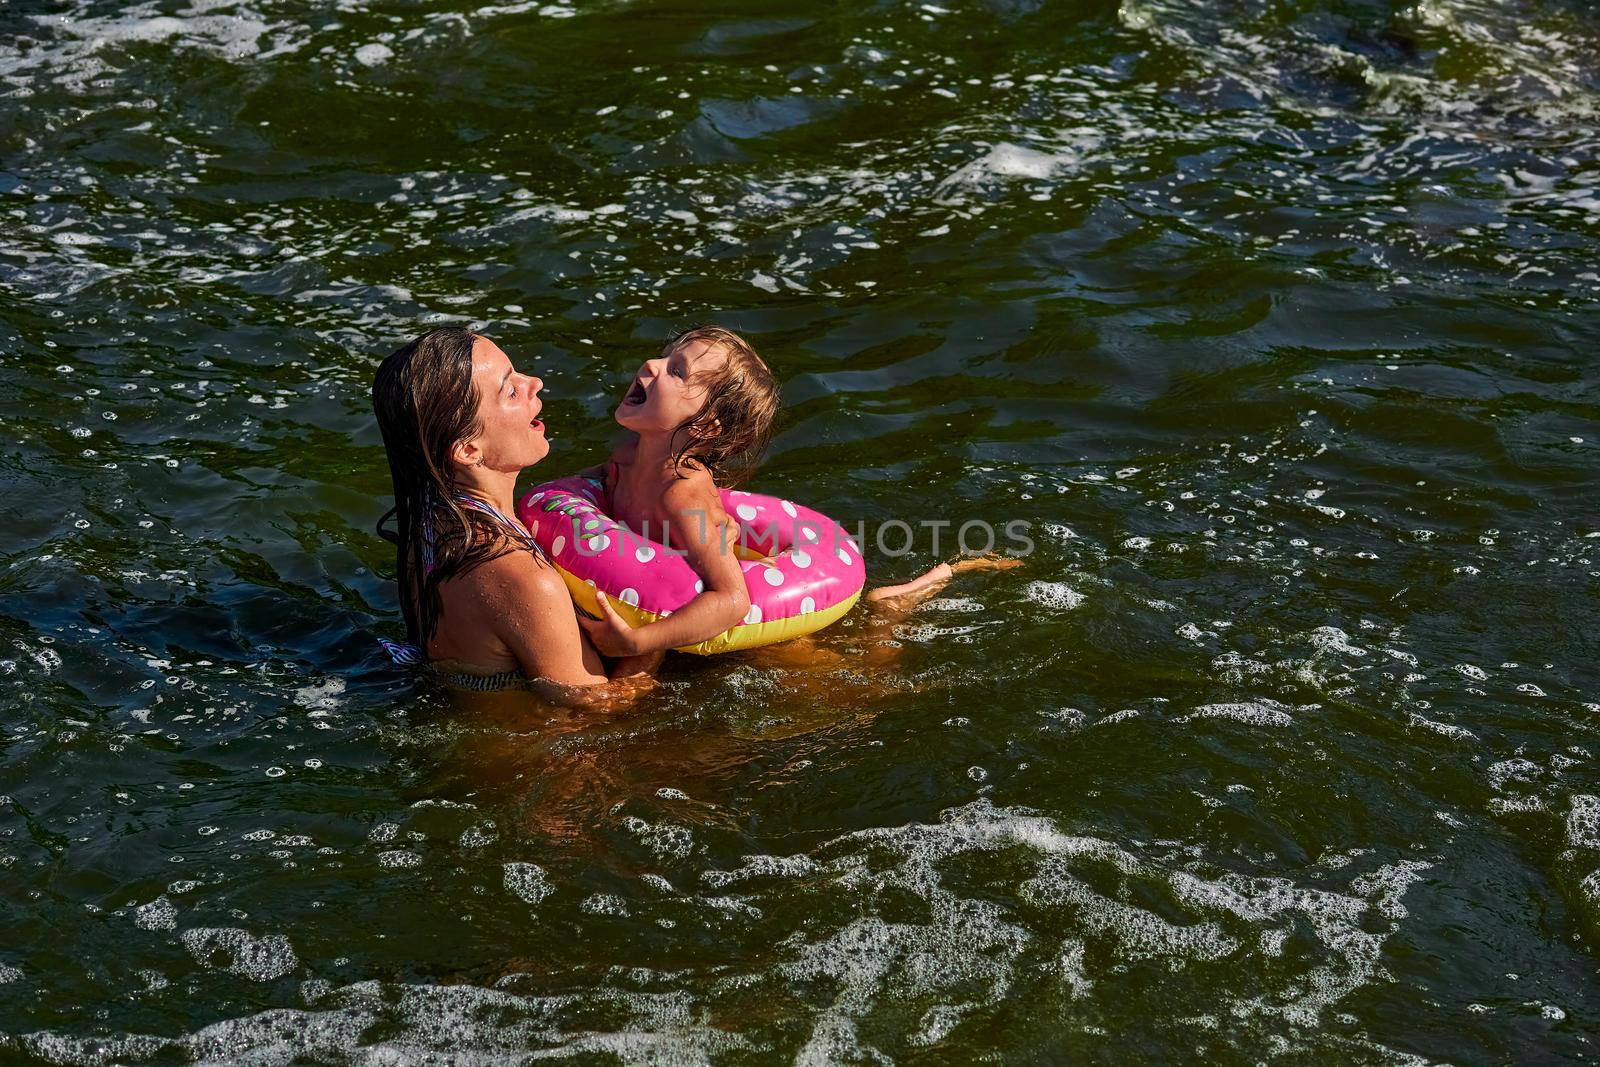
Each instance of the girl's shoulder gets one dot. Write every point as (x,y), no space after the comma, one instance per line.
(691,484)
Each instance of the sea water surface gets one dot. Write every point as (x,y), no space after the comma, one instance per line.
(1276,320)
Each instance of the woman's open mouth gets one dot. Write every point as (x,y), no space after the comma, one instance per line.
(636,395)
(537,425)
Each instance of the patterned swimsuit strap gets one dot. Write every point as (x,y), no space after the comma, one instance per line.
(517,531)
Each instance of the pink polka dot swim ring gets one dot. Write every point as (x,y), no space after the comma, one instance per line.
(801,568)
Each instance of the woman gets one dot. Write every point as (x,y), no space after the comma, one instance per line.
(459,424)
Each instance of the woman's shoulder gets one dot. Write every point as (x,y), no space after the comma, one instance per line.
(512,579)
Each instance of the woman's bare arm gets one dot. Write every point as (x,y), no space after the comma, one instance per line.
(533,615)
(526,606)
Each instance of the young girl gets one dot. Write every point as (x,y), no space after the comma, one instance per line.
(702,413)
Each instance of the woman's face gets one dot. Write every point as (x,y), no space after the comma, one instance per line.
(511,436)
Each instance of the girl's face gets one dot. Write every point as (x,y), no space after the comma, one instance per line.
(669,390)
(511,436)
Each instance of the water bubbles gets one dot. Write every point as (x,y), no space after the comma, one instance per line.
(1056,596)
(399,858)
(527,881)
(1264,712)
(260,959)
(1583,822)
(604,904)
(158,914)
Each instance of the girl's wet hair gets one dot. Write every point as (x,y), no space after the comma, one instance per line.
(731,431)
(425,401)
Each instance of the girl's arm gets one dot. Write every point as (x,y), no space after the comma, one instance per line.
(704,533)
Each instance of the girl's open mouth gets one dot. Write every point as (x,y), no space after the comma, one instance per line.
(537,425)
(636,395)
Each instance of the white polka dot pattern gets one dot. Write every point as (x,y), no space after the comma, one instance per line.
(801,563)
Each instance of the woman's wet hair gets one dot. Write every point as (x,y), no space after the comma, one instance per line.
(425,402)
(731,431)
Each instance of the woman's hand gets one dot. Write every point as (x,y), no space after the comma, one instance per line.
(609,634)
(644,665)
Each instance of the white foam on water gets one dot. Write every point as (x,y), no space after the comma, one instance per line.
(1590,888)
(1583,821)
(1516,770)
(986,883)
(966,952)
(1263,712)
(1333,639)
(761,867)
(323,697)
(604,904)
(400,858)
(374,55)
(664,839)
(1013,162)
(1450,730)
(1137,934)
(1057,596)
(381,1023)
(527,881)
(158,914)
(82,47)
(259,959)
(965,605)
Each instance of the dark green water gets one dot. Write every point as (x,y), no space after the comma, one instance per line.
(1277,320)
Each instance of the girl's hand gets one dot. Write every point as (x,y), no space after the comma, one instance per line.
(610,635)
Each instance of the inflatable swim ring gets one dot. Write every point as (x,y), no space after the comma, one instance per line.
(802,570)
